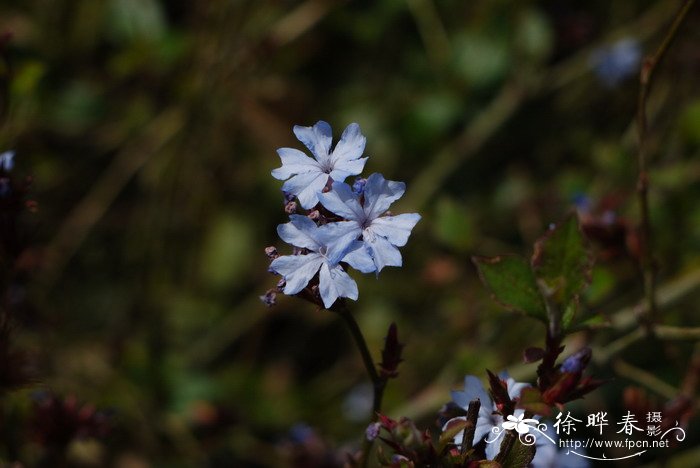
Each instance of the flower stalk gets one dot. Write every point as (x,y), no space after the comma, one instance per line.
(378,381)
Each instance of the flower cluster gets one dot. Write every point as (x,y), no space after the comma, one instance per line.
(344,225)
(491,411)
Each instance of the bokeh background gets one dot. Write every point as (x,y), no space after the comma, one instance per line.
(150,127)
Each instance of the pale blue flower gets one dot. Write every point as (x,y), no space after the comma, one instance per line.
(7,161)
(381,235)
(617,62)
(548,454)
(488,419)
(307,177)
(327,246)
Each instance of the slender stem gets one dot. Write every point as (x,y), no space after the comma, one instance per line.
(378,382)
(662,332)
(645,80)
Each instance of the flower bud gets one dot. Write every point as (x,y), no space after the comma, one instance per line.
(269,298)
(359,185)
(290,207)
(271,252)
(372,431)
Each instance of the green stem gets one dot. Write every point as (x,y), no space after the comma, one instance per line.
(378,382)
(645,80)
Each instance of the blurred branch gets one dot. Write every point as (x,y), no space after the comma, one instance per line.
(645,79)
(513,95)
(692,377)
(472,139)
(95,204)
(219,337)
(647,379)
(667,294)
(300,20)
(431,29)
(663,332)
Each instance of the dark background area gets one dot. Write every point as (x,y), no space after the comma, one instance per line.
(150,129)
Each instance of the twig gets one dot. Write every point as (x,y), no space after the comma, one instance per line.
(470,428)
(378,382)
(509,100)
(95,204)
(431,30)
(645,378)
(645,81)
(299,20)
(663,332)
(666,295)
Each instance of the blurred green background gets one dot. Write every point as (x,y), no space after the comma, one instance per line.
(150,128)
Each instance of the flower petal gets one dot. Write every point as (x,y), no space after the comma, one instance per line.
(351,145)
(383,253)
(317,138)
(337,237)
(343,169)
(297,270)
(473,389)
(395,229)
(306,187)
(294,162)
(342,201)
(300,232)
(493,448)
(515,388)
(335,283)
(359,258)
(380,194)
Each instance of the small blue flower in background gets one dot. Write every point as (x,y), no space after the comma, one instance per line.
(474,389)
(381,235)
(548,455)
(615,63)
(577,362)
(357,405)
(7,161)
(327,245)
(307,177)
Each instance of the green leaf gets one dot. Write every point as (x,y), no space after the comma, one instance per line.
(513,284)
(520,455)
(562,264)
(569,314)
(531,400)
